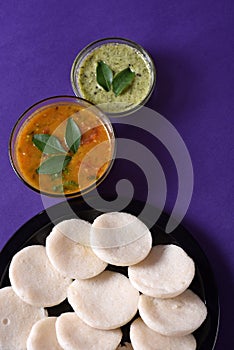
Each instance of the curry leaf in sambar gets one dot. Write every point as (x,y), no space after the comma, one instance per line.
(104,75)
(122,80)
(48,144)
(54,164)
(72,135)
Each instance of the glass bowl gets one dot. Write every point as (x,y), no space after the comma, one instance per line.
(118,54)
(62,146)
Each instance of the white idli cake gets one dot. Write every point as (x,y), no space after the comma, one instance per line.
(176,316)
(16,320)
(144,338)
(43,335)
(74,334)
(120,239)
(68,255)
(166,272)
(35,280)
(107,301)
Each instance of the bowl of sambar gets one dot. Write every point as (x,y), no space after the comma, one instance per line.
(62,146)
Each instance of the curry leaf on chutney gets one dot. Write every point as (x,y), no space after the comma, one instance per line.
(122,80)
(104,75)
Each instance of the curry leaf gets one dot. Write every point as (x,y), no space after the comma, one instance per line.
(72,135)
(54,165)
(104,75)
(48,144)
(122,80)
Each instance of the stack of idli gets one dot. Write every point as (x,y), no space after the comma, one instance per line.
(169,311)
(73,265)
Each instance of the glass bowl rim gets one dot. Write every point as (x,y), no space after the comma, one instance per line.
(100,115)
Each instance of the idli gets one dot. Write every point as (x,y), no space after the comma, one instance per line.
(43,335)
(16,320)
(120,239)
(177,316)
(107,301)
(35,280)
(67,255)
(142,337)
(74,334)
(166,272)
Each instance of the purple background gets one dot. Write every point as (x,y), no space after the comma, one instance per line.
(192,45)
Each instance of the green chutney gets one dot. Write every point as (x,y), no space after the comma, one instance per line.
(118,57)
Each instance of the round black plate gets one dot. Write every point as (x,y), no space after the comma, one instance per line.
(37,229)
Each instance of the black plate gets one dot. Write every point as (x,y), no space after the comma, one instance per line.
(37,229)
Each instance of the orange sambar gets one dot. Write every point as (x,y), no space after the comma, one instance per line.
(87,165)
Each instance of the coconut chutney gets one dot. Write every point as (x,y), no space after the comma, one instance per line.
(117,56)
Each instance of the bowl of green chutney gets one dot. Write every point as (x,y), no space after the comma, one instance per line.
(117,74)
